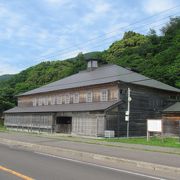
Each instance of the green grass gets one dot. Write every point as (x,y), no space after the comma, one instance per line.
(154,141)
(2,128)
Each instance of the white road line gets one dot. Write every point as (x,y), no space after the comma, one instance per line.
(101,166)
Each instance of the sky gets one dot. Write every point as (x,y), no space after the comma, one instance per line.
(32,31)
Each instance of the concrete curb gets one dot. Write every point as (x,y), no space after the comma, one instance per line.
(86,156)
(167,150)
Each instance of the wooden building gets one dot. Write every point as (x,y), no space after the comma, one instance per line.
(171,120)
(92,101)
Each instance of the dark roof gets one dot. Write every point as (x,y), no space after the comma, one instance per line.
(174,108)
(101,75)
(65,107)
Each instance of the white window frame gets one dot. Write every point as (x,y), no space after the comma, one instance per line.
(89,96)
(45,101)
(76,98)
(67,99)
(52,100)
(40,101)
(104,95)
(59,100)
(34,101)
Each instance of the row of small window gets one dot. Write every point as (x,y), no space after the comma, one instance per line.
(174,97)
(66,99)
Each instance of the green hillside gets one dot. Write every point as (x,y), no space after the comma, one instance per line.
(155,56)
(5,77)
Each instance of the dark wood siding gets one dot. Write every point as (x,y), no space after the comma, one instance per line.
(171,124)
(146,103)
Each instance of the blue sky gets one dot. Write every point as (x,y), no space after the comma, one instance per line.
(32,31)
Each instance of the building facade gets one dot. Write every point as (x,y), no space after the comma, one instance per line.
(92,101)
(171,120)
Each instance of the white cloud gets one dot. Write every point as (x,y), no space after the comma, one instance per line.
(56,2)
(116,30)
(156,6)
(6,68)
(60,3)
(70,54)
(64,24)
(97,10)
(10,21)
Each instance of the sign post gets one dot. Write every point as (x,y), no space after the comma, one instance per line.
(128,111)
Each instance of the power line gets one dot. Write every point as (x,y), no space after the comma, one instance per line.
(105,39)
(113,31)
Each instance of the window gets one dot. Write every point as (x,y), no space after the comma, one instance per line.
(76,98)
(123,91)
(94,64)
(104,95)
(34,102)
(45,101)
(67,99)
(172,97)
(114,95)
(89,64)
(40,102)
(59,100)
(52,100)
(89,97)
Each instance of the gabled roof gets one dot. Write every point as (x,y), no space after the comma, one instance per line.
(79,107)
(174,108)
(101,75)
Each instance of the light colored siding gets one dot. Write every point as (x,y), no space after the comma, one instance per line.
(88,124)
(29,121)
(55,97)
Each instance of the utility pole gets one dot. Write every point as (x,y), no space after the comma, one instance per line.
(128,111)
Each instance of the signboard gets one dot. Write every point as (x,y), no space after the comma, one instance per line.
(127,113)
(126,118)
(154,125)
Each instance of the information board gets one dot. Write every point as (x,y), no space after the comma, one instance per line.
(154,125)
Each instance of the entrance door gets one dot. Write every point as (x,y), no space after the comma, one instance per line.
(63,124)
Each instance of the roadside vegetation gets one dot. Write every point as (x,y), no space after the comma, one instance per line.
(173,142)
(153,141)
(2,128)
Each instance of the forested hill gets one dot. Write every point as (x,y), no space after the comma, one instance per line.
(5,77)
(155,56)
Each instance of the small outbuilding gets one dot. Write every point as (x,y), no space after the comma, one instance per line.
(171,120)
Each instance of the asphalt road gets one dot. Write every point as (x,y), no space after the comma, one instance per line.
(43,167)
(154,156)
